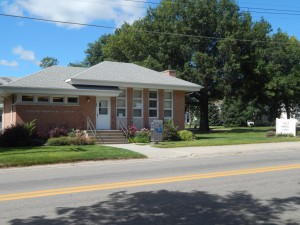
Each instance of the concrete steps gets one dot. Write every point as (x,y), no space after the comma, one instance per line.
(108,136)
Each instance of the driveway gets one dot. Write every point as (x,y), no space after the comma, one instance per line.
(208,151)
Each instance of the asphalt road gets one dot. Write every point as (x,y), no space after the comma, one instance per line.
(258,188)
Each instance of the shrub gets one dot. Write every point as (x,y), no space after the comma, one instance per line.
(61,141)
(271,133)
(19,135)
(142,136)
(75,133)
(16,135)
(170,132)
(30,126)
(284,135)
(131,131)
(186,135)
(58,132)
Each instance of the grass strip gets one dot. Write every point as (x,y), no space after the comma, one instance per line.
(28,156)
(229,136)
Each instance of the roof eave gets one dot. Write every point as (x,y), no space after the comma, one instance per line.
(56,91)
(187,88)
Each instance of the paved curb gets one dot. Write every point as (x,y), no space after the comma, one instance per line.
(208,151)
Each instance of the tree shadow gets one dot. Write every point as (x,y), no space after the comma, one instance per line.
(174,207)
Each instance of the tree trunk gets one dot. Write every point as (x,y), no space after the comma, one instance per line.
(287,109)
(203,101)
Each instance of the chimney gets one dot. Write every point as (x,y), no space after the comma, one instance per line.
(171,73)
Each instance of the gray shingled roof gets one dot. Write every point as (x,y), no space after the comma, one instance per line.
(112,74)
(51,77)
(6,80)
(129,73)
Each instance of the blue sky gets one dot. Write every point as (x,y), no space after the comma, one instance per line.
(25,42)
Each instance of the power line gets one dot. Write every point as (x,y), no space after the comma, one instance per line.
(276,11)
(142,31)
(58,21)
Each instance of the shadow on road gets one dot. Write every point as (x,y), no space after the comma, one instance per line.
(170,208)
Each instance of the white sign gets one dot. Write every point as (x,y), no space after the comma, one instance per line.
(156,130)
(286,126)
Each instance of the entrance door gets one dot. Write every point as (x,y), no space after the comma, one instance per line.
(103,114)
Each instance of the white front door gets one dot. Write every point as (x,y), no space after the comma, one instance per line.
(103,114)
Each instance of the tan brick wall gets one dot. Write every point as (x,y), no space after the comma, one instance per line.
(161,104)
(49,116)
(9,115)
(146,107)
(179,108)
(129,106)
(113,114)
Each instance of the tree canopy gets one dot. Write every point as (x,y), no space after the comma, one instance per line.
(215,44)
(48,61)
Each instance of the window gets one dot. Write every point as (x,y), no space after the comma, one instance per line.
(121,104)
(43,99)
(137,103)
(73,100)
(58,99)
(47,99)
(168,104)
(153,104)
(27,98)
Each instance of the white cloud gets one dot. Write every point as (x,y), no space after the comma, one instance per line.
(25,54)
(4,62)
(80,11)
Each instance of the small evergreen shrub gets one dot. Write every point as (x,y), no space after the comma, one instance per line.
(170,132)
(271,133)
(186,135)
(62,141)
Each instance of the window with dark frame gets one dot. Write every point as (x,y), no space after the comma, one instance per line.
(153,104)
(137,103)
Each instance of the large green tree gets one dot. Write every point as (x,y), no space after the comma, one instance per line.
(282,61)
(194,53)
(209,42)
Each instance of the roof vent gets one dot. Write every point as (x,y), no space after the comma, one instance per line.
(171,73)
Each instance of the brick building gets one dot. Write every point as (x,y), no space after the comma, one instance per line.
(108,94)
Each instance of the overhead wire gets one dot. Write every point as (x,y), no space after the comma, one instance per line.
(140,30)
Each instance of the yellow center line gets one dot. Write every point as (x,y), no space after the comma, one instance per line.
(136,183)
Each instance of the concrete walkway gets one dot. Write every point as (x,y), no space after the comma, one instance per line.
(208,151)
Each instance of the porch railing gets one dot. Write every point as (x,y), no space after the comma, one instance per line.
(123,128)
(90,126)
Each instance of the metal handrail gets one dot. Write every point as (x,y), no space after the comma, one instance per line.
(123,128)
(90,126)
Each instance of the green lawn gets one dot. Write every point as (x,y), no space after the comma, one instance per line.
(28,156)
(229,136)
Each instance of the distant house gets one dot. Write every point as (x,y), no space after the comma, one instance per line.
(3,81)
(109,94)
